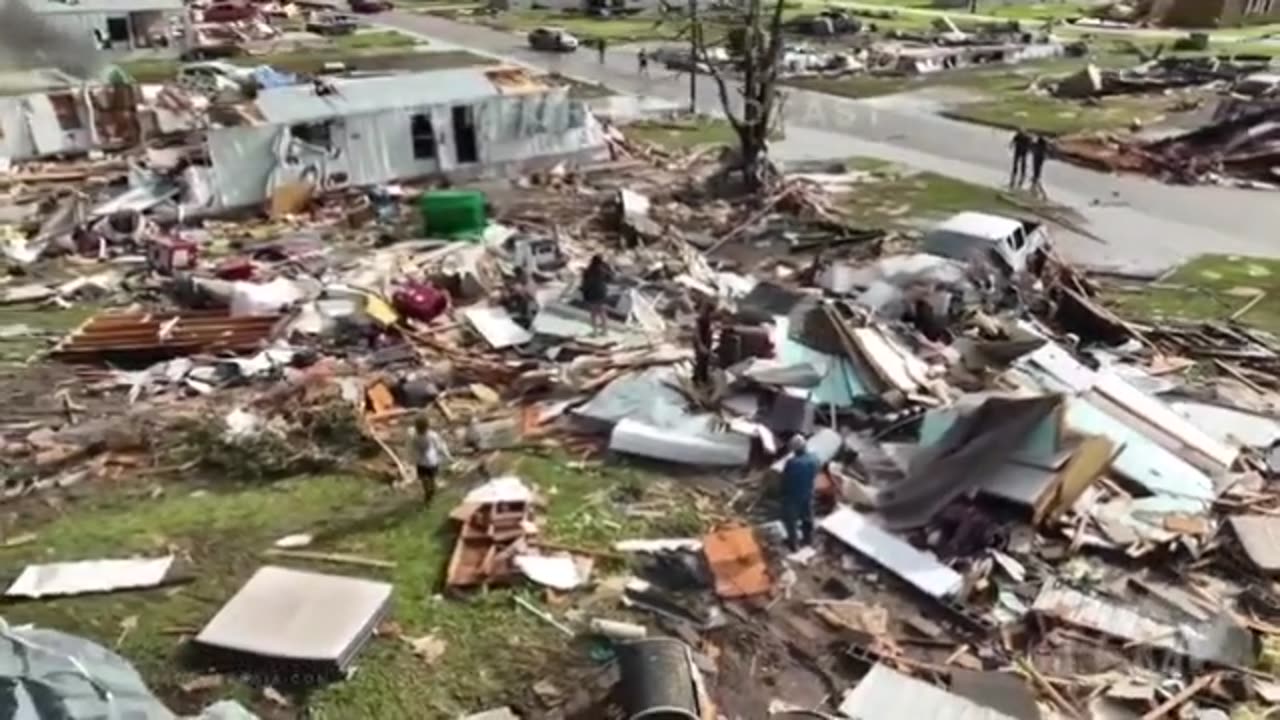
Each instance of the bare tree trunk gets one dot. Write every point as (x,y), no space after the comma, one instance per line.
(761,50)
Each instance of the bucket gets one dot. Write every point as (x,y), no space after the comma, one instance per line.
(452,213)
(657,680)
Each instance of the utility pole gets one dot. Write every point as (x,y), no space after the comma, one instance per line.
(695,32)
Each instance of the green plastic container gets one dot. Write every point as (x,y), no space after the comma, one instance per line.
(452,213)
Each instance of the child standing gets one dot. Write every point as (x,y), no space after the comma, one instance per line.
(428,450)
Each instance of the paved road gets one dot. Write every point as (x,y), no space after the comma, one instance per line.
(1145,226)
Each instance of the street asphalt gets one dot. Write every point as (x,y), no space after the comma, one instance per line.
(1142,226)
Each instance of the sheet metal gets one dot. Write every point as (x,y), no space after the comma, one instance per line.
(918,568)
(1218,642)
(1164,419)
(838,384)
(963,458)
(88,576)
(1260,537)
(885,694)
(159,336)
(1141,459)
(709,448)
(496,327)
(303,616)
(1229,425)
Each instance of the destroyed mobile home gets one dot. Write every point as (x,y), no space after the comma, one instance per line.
(1027,507)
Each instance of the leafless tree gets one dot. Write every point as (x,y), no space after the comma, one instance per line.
(759,44)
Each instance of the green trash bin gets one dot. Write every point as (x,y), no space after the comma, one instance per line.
(453,213)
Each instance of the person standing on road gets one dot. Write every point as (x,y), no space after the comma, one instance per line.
(1039,153)
(1021,145)
(799,475)
(643,59)
(601,46)
(429,451)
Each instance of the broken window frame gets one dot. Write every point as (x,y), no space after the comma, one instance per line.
(66,109)
(303,132)
(423,137)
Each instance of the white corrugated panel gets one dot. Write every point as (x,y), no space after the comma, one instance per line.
(918,568)
(885,694)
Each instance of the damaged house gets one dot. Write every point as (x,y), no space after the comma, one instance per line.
(1214,13)
(461,123)
(119,25)
(47,112)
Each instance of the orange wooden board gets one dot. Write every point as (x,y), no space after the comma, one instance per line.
(737,562)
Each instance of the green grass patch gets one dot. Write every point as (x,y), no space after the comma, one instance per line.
(1051,116)
(494,650)
(893,196)
(46,324)
(615,30)
(376,39)
(312,61)
(683,134)
(1210,287)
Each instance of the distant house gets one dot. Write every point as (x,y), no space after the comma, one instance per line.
(357,132)
(1214,13)
(119,25)
(46,112)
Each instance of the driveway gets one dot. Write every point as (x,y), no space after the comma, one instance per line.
(1145,226)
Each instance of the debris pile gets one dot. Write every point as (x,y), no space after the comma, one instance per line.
(1159,75)
(1010,501)
(1242,148)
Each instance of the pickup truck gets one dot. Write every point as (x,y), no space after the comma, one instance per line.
(365,7)
(1016,246)
(331,24)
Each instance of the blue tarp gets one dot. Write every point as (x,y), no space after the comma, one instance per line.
(268,77)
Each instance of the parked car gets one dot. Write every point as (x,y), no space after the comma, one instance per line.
(552,40)
(369,6)
(332,24)
(1016,246)
(229,12)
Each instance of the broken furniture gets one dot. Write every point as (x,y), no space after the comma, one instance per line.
(495,518)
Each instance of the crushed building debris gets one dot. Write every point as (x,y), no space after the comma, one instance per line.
(1020,501)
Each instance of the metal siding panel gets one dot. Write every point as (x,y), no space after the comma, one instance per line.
(243,160)
(885,694)
(1140,458)
(922,570)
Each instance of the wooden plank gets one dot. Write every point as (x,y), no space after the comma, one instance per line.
(737,563)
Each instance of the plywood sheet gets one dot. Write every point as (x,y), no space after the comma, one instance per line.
(737,563)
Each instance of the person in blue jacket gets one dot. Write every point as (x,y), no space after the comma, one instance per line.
(798,477)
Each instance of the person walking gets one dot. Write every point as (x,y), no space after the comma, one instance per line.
(429,450)
(1021,145)
(1039,153)
(798,477)
(595,292)
(643,59)
(600,47)
(703,343)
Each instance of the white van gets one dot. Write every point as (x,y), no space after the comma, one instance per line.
(1017,245)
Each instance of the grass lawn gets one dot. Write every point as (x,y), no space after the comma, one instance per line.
(683,133)
(368,40)
(45,323)
(893,196)
(1025,10)
(312,61)
(493,649)
(1002,98)
(1210,287)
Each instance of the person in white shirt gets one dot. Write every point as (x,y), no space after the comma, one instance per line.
(429,452)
